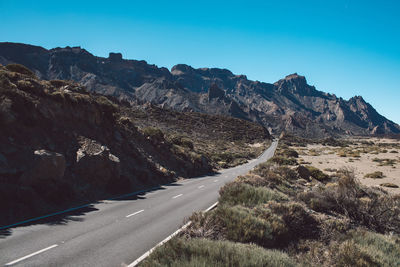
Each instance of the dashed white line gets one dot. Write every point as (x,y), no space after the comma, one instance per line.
(31,255)
(127,216)
(201,186)
(216,180)
(177,196)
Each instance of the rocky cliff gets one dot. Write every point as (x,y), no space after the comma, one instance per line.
(289,104)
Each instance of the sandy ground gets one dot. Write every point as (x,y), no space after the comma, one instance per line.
(327,158)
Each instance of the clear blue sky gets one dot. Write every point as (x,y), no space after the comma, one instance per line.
(343,47)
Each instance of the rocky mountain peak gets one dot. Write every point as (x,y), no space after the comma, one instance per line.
(296,84)
(181,69)
(189,89)
(115,56)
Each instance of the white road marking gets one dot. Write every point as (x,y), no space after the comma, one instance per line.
(216,180)
(31,255)
(211,207)
(127,216)
(177,196)
(201,186)
(145,255)
(136,262)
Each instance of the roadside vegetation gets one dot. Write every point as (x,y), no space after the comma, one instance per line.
(297,214)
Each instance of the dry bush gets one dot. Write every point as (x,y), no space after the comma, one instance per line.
(281,160)
(20,69)
(377,174)
(390,185)
(370,207)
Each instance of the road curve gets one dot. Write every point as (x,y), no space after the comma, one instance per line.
(115,233)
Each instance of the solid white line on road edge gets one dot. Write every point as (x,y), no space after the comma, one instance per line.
(31,255)
(127,216)
(211,207)
(201,186)
(178,196)
(145,255)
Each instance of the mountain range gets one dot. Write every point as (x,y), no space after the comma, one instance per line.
(289,105)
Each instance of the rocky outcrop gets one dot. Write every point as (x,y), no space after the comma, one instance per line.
(96,164)
(46,166)
(290,104)
(215,92)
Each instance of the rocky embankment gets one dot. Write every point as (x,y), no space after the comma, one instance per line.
(61,145)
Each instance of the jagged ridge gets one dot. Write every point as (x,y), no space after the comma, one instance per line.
(289,104)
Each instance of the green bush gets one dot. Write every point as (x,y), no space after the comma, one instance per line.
(287,152)
(240,224)
(280,160)
(368,249)
(317,174)
(236,193)
(181,140)
(153,133)
(203,252)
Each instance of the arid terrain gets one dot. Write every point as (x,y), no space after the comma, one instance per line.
(375,161)
(309,205)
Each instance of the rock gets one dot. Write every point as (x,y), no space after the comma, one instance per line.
(46,166)
(303,172)
(215,92)
(115,56)
(7,116)
(96,164)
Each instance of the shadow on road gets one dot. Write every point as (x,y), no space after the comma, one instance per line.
(76,213)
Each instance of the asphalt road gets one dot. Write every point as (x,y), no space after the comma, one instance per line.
(115,233)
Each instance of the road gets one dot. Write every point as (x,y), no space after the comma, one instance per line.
(117,232)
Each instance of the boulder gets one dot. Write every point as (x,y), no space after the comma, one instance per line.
(96,164)
(46,166)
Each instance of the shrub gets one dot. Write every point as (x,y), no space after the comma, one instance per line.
(298,222)
(376,174)
(181,141)
(370,207)
(240,224)
(283,160)
(391,185)
(317,174)
(203,252)
(287,152)
(365,248)
(20,69)
(59,83)
(154,134)
(235,193)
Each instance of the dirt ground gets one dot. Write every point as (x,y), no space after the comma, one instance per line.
(364,156)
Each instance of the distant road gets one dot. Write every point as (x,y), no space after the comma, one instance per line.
(115,233)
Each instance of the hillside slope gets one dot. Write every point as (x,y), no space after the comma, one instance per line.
(289,104)
(60,144)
